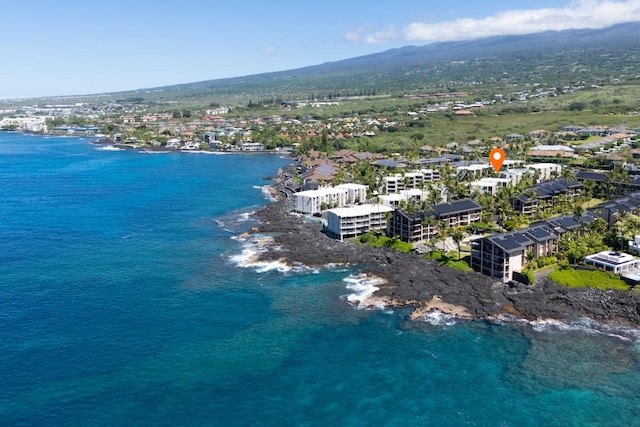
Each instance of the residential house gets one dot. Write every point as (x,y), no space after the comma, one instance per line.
(614,261)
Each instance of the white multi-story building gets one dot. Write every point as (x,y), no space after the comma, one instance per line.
(356,193)
(343,223)
(313,202)
(546,171)
(411,180)
(490,185)
(418,195)
(28,124)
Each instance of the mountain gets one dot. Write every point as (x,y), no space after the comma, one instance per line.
(431,65)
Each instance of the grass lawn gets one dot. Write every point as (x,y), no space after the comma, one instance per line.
(588,278)
(592,203)
(450,260)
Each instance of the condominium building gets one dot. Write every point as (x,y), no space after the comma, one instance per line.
(546,195)
(344,223)
(410,180)
(502,255)
(413,227)
(413,195)
(489,185)
(313,202)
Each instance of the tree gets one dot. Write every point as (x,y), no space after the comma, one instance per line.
(430,222)
(457,235)
(578,210)
(530,257)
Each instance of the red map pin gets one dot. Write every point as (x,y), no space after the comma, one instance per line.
(496,157)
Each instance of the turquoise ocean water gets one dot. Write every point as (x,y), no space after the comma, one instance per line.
(126,298)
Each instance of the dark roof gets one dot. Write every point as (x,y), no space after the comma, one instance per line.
(455,207)
(541,233)
(591,176)
(566,223)
(449,208)
(511,242)
(389,163)
(551,189)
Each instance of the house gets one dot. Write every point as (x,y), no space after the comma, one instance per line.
(344,223)
(614,261)
(502,255)
(634,245)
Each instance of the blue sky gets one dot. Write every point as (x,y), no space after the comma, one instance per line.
(69,47)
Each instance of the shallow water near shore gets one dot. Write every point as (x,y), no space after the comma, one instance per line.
(127,299)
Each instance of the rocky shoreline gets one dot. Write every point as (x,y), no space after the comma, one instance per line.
(411,280)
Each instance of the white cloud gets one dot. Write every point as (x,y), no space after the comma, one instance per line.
(376,37)
(269,50)
(578,14)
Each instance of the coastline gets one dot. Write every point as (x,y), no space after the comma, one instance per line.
(409,280)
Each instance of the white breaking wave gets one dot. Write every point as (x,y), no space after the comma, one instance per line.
(438,318)
(248,257)
(584,325)
(265,191)
(363,287)
(107,148)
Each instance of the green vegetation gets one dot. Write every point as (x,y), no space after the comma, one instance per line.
(371,239)
(451,260)
(588,278)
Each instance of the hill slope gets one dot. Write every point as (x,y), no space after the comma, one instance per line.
(554,56)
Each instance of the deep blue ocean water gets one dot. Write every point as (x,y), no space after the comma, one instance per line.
(126,298)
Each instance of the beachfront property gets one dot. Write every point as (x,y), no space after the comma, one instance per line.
(502,255)
(343,223)
(396,183)
(252,146)
(312,202)
(25,124)
(412,227)
(614,261)
(545,196)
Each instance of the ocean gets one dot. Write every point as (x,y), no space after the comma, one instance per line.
(127,297)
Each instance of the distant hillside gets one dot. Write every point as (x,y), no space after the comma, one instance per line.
(554,56)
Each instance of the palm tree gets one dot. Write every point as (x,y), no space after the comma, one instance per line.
(458,235)
(429,223)
(578,210)
(530,257)
(568,174)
